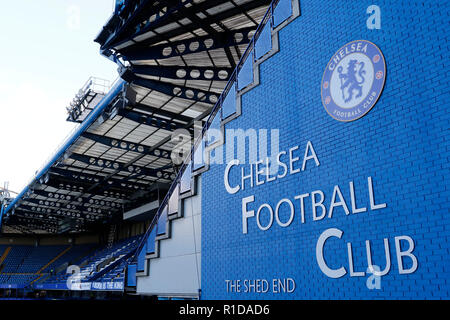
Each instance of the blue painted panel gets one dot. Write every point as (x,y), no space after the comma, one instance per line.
(213,134)
(264,43)
(131,275)
(282,11)
(229,104)
(162,226)
(151,245)
(199,159)
(141,259)
(186,178)
(174,201)
(245,76)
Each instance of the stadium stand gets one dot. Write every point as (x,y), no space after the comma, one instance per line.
(93,266)
(45,266)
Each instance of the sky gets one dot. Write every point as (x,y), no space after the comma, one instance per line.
(47,53)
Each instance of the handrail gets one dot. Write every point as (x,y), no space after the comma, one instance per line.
(114,264)
(233,79)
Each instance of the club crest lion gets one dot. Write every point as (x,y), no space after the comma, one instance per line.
(349,80)
(353,80)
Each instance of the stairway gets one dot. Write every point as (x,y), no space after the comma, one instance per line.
(161,230)
(264,45)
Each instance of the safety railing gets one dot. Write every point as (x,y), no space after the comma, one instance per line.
(93,85)
(232,84)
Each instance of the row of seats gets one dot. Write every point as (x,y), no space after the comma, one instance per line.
(17,279)
(15,258)
(24,265)
(93,264)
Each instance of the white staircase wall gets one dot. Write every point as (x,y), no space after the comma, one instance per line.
(177,273)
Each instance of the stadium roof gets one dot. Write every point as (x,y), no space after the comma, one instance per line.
(175,58)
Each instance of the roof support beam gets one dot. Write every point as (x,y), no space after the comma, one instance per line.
(90,179)
(187,93)
(104,163)
(23,215)
(63,197)
(65,207)
(163,141)
(54,204)
(218,40)
(126,145)
(160,112)
(193,10)
(31,211)
(23,229)
(133,18)
(70,186)
(184,73)
(44,211)
(62,183)
(150,120)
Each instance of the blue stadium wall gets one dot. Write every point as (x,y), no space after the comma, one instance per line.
(402,144)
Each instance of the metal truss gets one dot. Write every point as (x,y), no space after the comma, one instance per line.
(221,40)
(137,170)
(196,23)
(89,179)
(113,204)
(149,120)
(184,73)
(184,92)
(126,145)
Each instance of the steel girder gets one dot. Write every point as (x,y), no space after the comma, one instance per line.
(70,186)
(23,215)
(134,15)
(220,40)
(35,210)
(184,73)
(190,13)
(58,182)
(67,207)
(160,112)
(126,145)
(149,120)
(14,224)
(89,179)
(59,211)
(81,200)
(138,170)
(195,95)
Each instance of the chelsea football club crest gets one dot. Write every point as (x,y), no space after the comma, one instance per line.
(353,80)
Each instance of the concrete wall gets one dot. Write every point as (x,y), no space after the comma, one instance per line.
(177,271)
